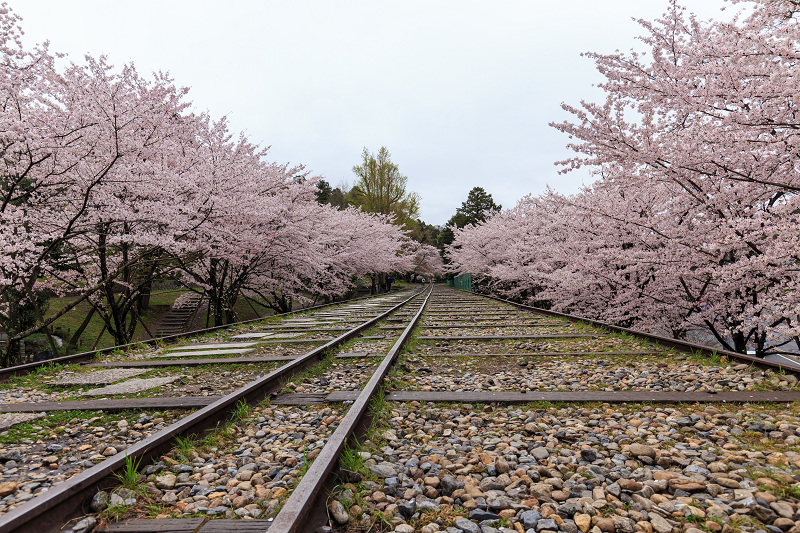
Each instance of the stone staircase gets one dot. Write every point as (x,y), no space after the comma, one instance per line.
(178,319)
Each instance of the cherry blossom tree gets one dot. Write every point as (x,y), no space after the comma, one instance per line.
(693,222)
(110,181)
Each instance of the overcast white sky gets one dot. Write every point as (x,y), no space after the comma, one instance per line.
(460,92)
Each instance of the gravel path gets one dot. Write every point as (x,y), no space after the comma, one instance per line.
(642,373)
(36,455)
(246,469)
(479,468)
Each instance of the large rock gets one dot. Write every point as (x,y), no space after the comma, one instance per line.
(783,509)
(383,470)
(623,525)
(765,514)
(529,519)
(542,490)
(660,524)
(540,453)
(99,502)
(583,521)
(407,508)
(480,515)
(641,450)
(9,487)
(166,482)
(449,484)
(338,512)
(468,526)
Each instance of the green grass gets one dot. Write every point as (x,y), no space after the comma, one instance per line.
(241,412)
(40,428)
(184,446)
(114,513)
(160,303)
(350,459)
(129,477)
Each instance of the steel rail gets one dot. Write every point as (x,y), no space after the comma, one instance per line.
(298,511)
(17,370)
(682,346)
(49,511)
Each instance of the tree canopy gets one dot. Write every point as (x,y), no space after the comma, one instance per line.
(381,188)
(478,206)
(693,224)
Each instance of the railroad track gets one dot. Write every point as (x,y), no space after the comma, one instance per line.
(446,410)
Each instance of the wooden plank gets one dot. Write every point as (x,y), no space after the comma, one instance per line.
(176,402)
(297,341)
(210,346)
(196,353)
(171,525)
(342,396)
(235,526)
(461,325)
(535,354)
(591,396)
(507,337)
(194,362)
(301,398)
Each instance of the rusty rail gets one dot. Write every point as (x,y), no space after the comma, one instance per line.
(309,495)
(64,501)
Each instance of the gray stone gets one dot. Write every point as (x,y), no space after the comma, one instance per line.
(540,453)
(623,525)
(783,509)
(11,455)
(85,525)
(449,484)
(546,524)
(568,527)
(133,385)
(166,482)
(614,489)
(641,450)
(480,515)
(467,525)
(529,519)
(99,502)
(765,514)
(123,497)
(407,508)
(569,509)
(9,419)
(99,377)
(383,470)
(500,502)
(427,505)
(660,524)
